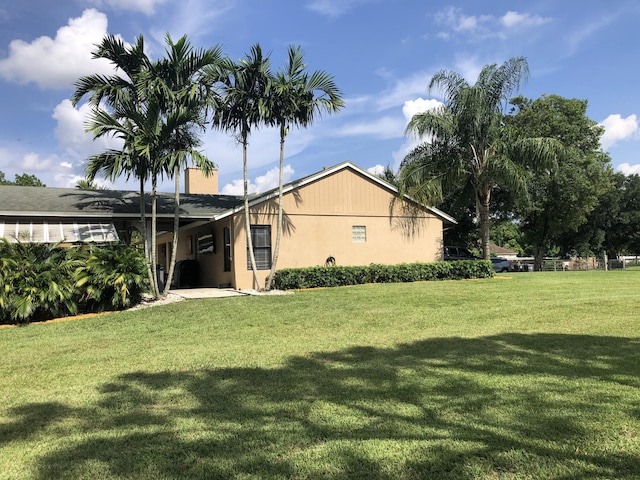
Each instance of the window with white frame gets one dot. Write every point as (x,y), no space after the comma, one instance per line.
(359,233)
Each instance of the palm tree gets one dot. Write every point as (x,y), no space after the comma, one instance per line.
(243,104)
(467,141)
(124,91)
(86,184)
(296,97)
(155,110)
(187,95)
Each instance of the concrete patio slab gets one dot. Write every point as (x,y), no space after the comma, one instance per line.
(194,293)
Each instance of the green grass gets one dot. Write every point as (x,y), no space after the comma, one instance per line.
(528,376)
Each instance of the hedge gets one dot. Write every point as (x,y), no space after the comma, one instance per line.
(337,276)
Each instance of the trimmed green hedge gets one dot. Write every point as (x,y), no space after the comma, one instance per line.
(337,276)
(41,282)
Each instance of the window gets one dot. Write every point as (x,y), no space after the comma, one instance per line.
(359,233)
(261,238)
(206,243)
(227,249)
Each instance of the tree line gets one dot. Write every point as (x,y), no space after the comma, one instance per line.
(530,174)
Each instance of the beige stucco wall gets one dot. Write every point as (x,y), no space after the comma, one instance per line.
(318,220)
(318,223)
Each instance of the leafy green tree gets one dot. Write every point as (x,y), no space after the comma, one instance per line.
(296,98)
(614,224)
(466,142)
(24,180)
(560,196)
(242,105)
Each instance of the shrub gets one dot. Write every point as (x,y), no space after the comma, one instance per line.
(41,282)
(111,278)
(334,276)
(37,282)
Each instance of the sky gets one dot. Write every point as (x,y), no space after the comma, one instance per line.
(381,53)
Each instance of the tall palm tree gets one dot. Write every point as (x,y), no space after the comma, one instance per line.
(296,97)
(243,105)
(155,109)
(128,86)
(467,142)
(187,95)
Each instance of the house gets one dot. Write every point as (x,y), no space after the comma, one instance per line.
(341,214)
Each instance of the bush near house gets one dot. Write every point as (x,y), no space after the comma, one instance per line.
(40,282)
(337,276)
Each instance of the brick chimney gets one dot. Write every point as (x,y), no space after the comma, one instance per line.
(196,182)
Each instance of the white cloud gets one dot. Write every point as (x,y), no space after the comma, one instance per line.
(629,169)
(334,8)
(376,170)
(58,62)
(32,162)
(261,183)
(519,20)
(409,109)
(481,27)
(382,128)
(617,128)
(71,135)
(144,6)
(194,18)
(419,105)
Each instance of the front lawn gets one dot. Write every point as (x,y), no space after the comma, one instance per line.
(527,376)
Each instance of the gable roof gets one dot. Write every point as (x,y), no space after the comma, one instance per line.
(273,193)
(17,201)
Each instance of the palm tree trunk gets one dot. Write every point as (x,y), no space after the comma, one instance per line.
(176,226)
(276,250)
(145,238)
(154,230)
(247,215)
(482,204)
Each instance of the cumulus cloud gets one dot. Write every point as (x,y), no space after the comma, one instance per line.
(617,128)
(376,170)
(145,6)
(71,135)
(260,184)
(629,169)
(58,62)
(409,109)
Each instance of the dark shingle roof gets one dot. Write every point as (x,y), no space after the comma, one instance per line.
(44,201)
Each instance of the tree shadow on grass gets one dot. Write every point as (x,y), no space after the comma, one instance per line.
(505,406)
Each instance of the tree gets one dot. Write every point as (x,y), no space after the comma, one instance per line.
(155,109)
(243,105)
(466,142)
(187,93)
(122,92)
(562,196)
(24,180)
(86,184)
(296,97)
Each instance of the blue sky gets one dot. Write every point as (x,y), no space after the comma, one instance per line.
(382,54)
